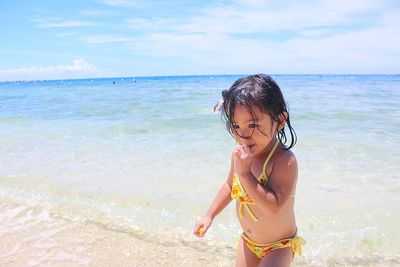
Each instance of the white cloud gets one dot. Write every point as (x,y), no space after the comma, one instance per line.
(105,38)
(256,16)
(57,23)
(68,34)
(121,3)
(155,24)
(79,68)
(66,24)
(95,12)
(327,36)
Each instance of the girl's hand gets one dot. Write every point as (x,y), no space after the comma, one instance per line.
(202,226)
(243,158)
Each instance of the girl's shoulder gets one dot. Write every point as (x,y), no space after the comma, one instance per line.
(284,161)
(285,155)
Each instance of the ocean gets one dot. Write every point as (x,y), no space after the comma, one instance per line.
(146,155)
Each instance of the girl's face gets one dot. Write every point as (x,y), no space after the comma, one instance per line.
(257,132)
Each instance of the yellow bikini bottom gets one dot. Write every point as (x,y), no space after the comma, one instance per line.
(260,250)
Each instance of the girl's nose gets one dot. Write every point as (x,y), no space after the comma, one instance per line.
(246,137)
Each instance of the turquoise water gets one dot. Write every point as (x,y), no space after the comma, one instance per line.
(148,153)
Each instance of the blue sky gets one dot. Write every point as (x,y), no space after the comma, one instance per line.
(106,38)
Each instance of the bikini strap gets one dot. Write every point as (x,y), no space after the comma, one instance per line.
(264,174)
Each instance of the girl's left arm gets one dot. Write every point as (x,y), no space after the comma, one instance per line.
(282,184)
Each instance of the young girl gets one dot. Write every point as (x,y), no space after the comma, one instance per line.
(263,174)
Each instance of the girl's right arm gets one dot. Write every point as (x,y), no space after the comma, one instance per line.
(222,199)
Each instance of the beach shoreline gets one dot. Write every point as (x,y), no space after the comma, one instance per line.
(35,236)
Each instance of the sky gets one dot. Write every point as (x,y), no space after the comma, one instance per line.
(47,39)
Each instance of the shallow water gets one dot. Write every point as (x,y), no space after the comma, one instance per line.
(149,154)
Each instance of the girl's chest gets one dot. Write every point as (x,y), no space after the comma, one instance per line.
(256,168)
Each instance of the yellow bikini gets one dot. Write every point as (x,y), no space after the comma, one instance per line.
(260,250)
(238,193)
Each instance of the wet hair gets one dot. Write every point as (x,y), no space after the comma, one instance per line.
(260,91)
(224,93)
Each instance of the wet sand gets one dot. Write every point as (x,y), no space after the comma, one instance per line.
(31,236)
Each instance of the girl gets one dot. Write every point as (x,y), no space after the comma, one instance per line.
(263,174)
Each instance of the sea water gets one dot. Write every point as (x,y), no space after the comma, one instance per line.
(149,154)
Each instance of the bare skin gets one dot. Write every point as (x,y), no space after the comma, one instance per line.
(274,202)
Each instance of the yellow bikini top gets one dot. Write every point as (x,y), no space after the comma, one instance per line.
(240,194)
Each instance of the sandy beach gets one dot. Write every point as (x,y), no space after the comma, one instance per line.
(32,236)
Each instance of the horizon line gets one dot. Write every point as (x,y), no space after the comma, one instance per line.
(203,75)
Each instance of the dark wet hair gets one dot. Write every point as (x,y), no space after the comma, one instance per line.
(262,91)
(224,93)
